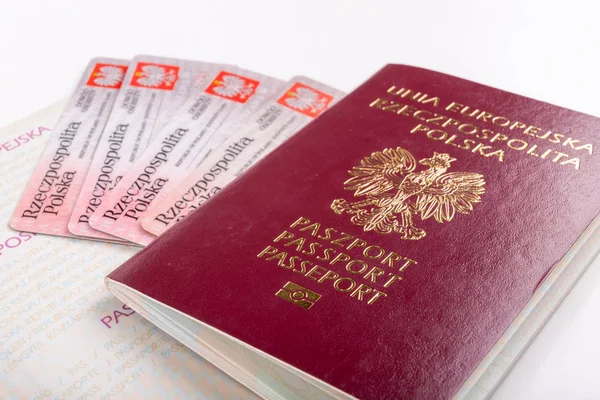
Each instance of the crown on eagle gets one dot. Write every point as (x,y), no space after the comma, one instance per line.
(443,157)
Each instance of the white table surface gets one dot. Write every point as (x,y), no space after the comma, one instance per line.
(543,49)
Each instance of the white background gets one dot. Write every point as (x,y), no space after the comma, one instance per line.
(543,49)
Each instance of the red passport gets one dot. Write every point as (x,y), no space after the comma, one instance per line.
(384,250)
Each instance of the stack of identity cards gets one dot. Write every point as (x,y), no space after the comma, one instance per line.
(142,143)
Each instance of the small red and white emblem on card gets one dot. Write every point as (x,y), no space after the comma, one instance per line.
(233,87)
(305,99)
(107,76)
(155,76)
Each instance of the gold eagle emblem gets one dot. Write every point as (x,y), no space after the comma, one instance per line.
(395,192)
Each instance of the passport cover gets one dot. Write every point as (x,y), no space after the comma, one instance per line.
(386,247)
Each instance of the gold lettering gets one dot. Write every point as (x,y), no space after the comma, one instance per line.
(337,283)
(406,110)
(454,106)
(391,258)
(313,270)
(467,129)
(314,228)
(556,138)
(267,251)
(531,130)
(391,107)
(431,135)
(361,290)
(311,248)
(356,243)
(517,124)
(587,147)
(414,96)
(419,128)
(559,155)
(572,161)
(378,103)
(450,141)
(363,267)
(451,121)
(532,149)
(341,257)
(426,100)
(517,144)
(300,221)
(291,262)
(393,278)
(326,254)
(285,235)
(373,274)
(418,113)
(397,92)
(328,232)
(303,265)
(380,252)
(546,153)
(545,135)
(376,296)
(279,256)
(328,275)
(407,263)
(498,136)
(498,153)
(436,119)
(570,141)
(298,243)
(481,148)
(484,116)
(472,113)
(484,134)
(344,238)
(505,121)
